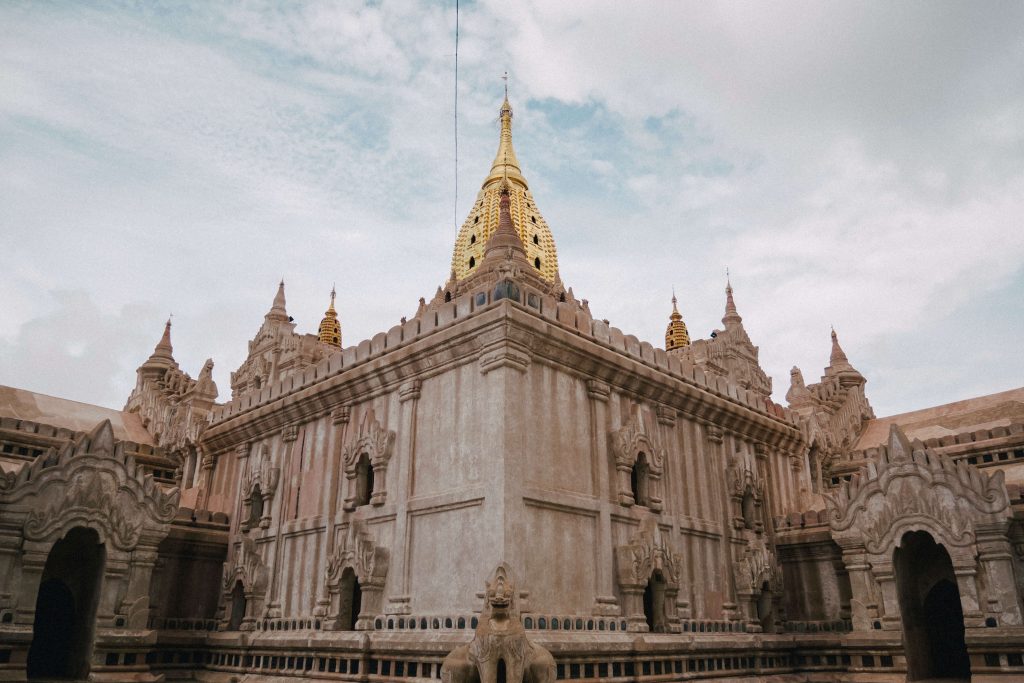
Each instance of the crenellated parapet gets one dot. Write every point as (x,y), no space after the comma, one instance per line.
(446,318)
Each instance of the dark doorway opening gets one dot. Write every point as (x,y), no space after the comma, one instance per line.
(813,458)
(749,509)
(501,675)
(364,480)
(765,609)
(238,607)
(654,603)
(65,619)
(930,608)
(351,600)
(255,507)
(638,481)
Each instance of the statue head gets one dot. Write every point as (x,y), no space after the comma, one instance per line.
(500,595)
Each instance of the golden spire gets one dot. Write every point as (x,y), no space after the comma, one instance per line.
(506,165)
(330,328)
(676,335)
(485,215)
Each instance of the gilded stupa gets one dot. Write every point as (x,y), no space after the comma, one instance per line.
(330,328)
(676,335)
(483,218)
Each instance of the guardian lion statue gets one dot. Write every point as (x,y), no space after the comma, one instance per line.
(500,638)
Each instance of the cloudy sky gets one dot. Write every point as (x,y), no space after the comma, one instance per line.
(858,165)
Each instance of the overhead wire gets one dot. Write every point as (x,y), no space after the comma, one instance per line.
(455,211)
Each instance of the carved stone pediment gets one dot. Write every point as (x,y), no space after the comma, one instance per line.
(90,482)
(632,439)
(263,474)
(371,438)
(742,479)
(258,488)
(357,555)
(362,555)
(247,567)
(745,488)
(648,550)
(637,438)
(910,489)
(756,567)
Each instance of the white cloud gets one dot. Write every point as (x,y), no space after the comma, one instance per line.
(853,164)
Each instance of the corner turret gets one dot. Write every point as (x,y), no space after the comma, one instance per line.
(162,358)
(730,353)
(173,406)
(831,412)
(839,365)
(277,309)
(277,351)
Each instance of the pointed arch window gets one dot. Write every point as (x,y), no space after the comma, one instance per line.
(366,459)
(640,465)
(364,480)
(640,481)
(255,508)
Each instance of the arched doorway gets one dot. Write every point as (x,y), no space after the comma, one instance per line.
(654,603)
(351,600)
(238,607)
(930,609)
(65,618)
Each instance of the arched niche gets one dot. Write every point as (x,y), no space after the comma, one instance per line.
(356,574)
(366,457)
(258,489)
(647,572)
(245,587)
(639,464)
(746,495)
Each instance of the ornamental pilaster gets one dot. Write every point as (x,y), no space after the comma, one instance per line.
(408,397)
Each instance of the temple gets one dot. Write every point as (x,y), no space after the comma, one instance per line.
(664,519)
